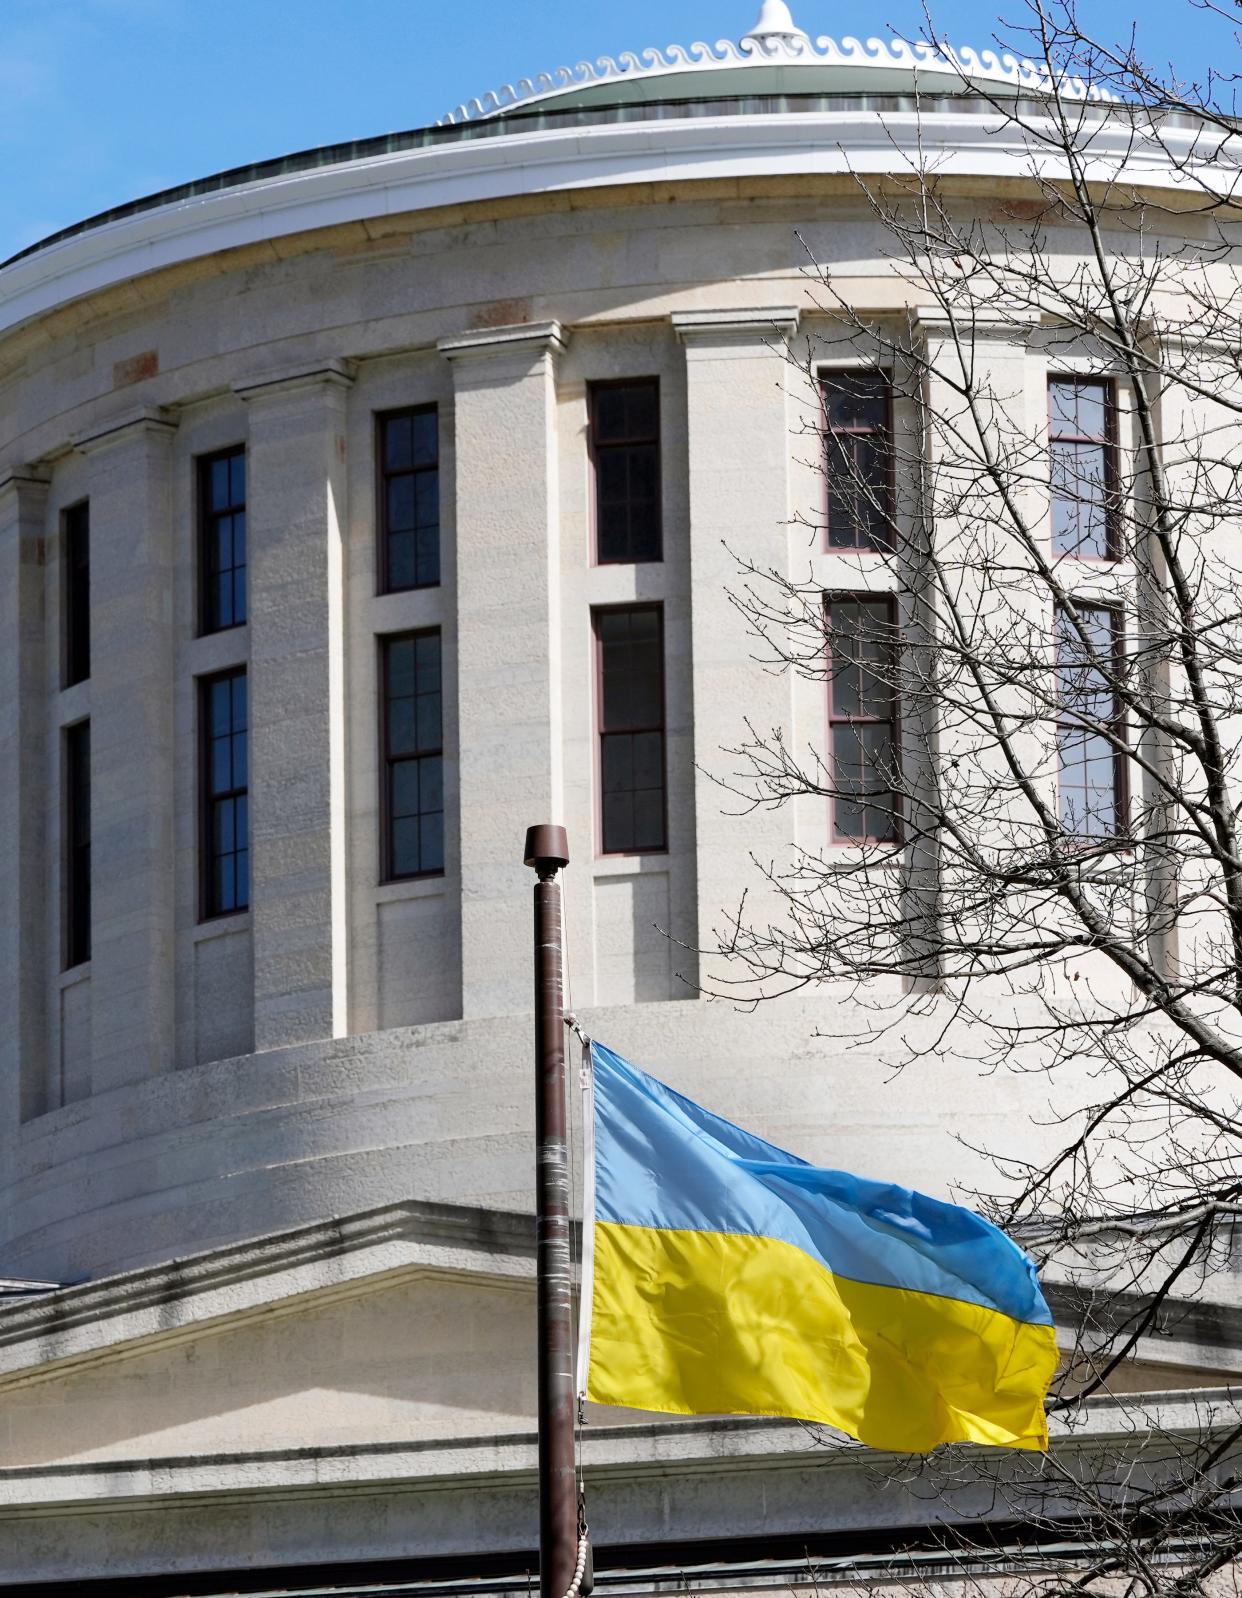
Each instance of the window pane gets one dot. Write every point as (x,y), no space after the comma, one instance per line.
(77,587)
(426,498)
(431,842)
(648,759)
(631,761)
(649,819)
(414,794)
(405,788)
(625,439)
(856,399)
(431,783)
(398,443)
(222,541)
(405,851)
(618,818)
(218,490)
(617,763)
(401,724)
(402,572)
(400,504)
(410,500)
(1079,523)
(223,780)
(428,721)
(426,429)
(857,461)
(1089,765)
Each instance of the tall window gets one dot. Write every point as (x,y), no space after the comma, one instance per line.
(224,783)
(625,447)
(858,463)
(77,846)
(222,540)
(76,531)
(413,744)
(630,653)
(1082,445)
(409,450)
(862,710)
(1091,766)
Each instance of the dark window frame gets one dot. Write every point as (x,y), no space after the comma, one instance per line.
(208,515)
(1110,444)
(1117,727)
(594,447)
(892,720)
(387,760)
(825,375)
(75,593)
(601,732)
(76,849)
(383,581)
(207,800)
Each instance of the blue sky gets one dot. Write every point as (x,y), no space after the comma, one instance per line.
(105,100)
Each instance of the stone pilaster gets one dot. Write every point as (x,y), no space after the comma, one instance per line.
(739,509)
(23,796)
(129,472)
(296,518)
(509,698)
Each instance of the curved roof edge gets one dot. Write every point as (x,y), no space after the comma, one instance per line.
(857,139)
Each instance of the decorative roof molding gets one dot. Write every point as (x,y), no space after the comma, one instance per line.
(775,46)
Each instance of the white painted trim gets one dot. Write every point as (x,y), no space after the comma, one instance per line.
(847,141)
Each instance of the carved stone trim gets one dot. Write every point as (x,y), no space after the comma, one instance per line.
(22,480)
(962,67)
(757,325)
(332,371)
(153,419)
(516,338)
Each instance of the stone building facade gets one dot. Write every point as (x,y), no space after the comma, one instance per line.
(267,1131)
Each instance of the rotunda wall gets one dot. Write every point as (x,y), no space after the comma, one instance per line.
(347,1042)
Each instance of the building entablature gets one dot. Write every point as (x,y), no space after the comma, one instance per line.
(774,105)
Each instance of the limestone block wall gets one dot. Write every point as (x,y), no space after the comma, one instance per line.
(345,1042)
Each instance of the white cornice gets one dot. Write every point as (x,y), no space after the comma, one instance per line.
(856,142)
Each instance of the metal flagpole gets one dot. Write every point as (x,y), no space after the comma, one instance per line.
(547,851)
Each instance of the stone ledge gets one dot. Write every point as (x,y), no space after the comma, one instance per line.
(163,1303)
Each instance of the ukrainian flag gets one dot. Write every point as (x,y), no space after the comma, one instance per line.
(732,1278)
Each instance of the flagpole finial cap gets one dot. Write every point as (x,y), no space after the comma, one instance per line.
(547,849)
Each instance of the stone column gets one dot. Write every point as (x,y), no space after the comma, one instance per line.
(740,448)
(23,797)
(131,748)
(509,665)
(296,519)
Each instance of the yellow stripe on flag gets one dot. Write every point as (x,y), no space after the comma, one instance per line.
(698,1322)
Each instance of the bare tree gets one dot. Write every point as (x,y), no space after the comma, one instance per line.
(1034,752)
